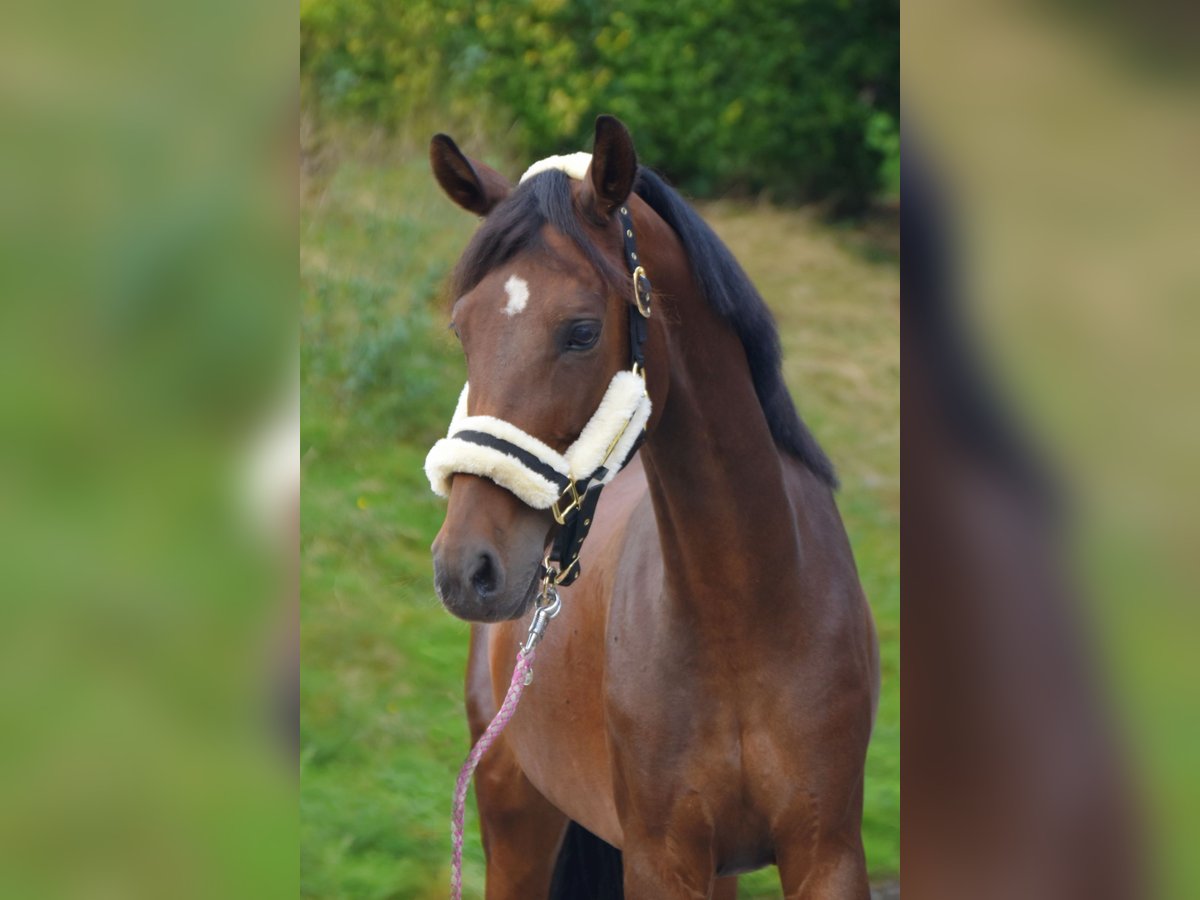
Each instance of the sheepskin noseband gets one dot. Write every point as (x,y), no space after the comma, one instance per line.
(535,472)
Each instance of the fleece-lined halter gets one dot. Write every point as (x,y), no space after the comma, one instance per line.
(568,483)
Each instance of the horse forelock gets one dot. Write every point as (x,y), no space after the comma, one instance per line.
(516,225)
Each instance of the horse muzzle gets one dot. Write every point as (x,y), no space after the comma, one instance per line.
(486,556)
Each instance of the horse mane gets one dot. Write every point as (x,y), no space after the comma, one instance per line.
(515,225)
(733,297)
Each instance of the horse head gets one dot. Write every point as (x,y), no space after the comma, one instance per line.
(542,312)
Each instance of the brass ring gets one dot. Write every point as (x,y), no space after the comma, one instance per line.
(644,309)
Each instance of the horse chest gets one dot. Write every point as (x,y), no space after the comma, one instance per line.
(704,741)
(700,772)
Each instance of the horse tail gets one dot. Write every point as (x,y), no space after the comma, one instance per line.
(587,868)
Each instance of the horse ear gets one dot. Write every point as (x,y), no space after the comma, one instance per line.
(472,185)
(613,169)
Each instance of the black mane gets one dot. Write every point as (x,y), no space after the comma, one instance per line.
(734,298)
(516,224)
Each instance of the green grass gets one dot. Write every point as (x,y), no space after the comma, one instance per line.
(382,726)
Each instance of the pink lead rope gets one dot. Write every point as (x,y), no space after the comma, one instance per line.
(546,607)
(522,675)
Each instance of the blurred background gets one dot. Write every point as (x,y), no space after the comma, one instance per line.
(147,470)
(779,119)
(1052,298)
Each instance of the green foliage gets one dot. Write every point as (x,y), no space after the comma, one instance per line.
(883,135)
(375,350)
(780,96)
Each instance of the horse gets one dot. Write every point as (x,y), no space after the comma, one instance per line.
(701,706)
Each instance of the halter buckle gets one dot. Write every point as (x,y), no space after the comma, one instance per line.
(639,276)
(560,515)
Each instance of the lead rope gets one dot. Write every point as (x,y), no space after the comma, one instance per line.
(548,605)
(520,679)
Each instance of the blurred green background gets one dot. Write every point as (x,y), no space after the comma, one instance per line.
(147,333)
(743,108)
(798,100)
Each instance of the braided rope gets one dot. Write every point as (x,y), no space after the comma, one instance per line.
(522,674)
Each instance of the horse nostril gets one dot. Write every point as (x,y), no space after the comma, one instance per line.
(486,575)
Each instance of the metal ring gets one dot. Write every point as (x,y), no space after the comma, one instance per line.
(644,309)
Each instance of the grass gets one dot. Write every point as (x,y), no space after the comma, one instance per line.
(382,726)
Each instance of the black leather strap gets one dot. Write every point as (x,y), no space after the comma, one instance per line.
(569,541)
(526,458)
(632,260)
(641,287)
(637,337)
(570,538)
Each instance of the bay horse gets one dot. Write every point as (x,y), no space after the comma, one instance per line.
(702,705)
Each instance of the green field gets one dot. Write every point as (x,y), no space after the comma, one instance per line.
(382,725)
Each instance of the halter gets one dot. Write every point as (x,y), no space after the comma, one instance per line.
(568,483)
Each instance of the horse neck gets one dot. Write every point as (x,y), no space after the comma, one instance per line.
(728,528)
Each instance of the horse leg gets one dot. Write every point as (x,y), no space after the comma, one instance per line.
(833,870)
(521,830)
(667,868)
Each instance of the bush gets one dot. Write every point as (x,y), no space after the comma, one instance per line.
(797,98)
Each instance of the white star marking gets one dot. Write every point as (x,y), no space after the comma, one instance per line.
(517,289)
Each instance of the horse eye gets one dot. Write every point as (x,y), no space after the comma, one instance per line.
(583,335)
